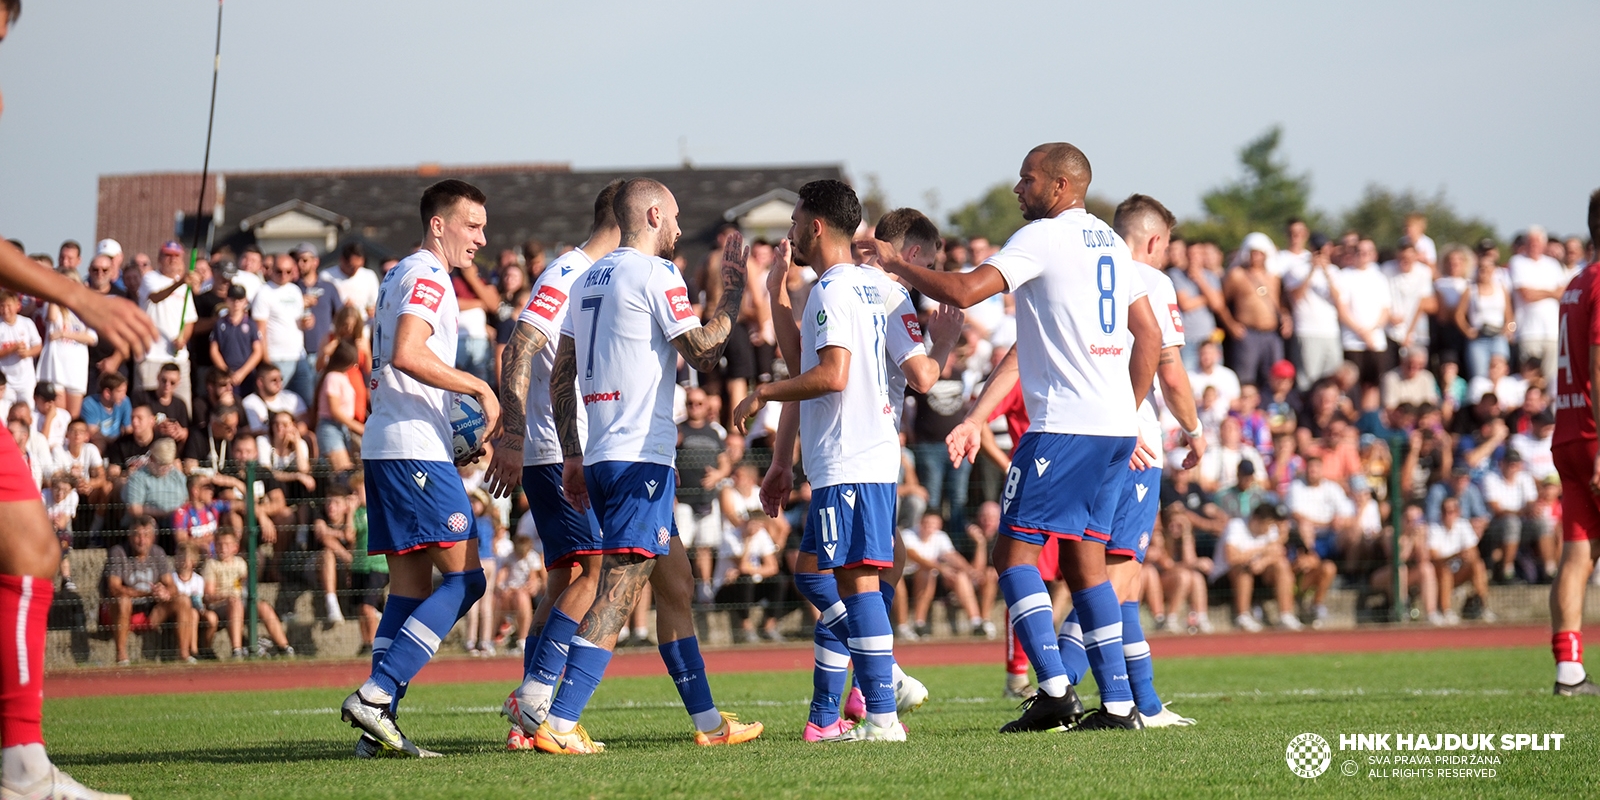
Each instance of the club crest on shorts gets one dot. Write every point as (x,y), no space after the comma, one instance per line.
(662,535)
(1144,541)
(457,523)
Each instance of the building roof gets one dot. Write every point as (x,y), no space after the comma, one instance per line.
(140,211)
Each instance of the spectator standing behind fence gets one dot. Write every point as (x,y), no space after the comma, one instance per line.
(1449,345)
(1412,299)
(225,578)
(61,506)
(747,564)
(50,420)
(476,298)
(109,413)
(19,344)
(521,580)
(171,410)
(1536,284)
(157,488)
(1309,283)
(64,359)
(236,348)
(1211,373)
(1253,293)
(334,409)
(190,589)
(1253,549)
(322,302)
(166,296)
(938,411)
(1453,548)
(280,309)
(1200,299)
(269,399)
(137,586)
(335,532)
(703,463)
(1365,305)
(1485,315)
(195,523)
(369,574)
(357,286)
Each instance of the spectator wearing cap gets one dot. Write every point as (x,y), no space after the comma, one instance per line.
(112,250)
(1253,549)
(1411,382)
(1247,492)
(1282,402)
(252,271)
(1309,283)
(1365,304)
(1211,373)
(1536,284)
(280,310)
(357,286)
(1510,493)
(1253,294)
(1411,297)
(236,348)
(167,297)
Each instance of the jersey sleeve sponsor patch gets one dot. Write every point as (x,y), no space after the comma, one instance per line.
(913,327)
(427,294)
(1177,316)
(548,302)
(678,301)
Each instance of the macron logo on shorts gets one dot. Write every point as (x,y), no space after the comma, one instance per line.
(548,302)
(426,294)
(650,488)
(678,299)
(913,327)
(1041,465)
(1141,490)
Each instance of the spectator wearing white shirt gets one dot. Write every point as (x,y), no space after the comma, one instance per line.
(1509,493)
(19,345)
(49,418)
(1509,389)
(280,309)
(1361,294)
(1253,549)
(357,285)
(1411,382)
(931,559)
(1485,314)
(1322,514)
(1453,546)
(166,294)
(1219,467)
(269,399)
(746,564)
(1412,299)
(1212,373)
(1534,447)
(1416,229)
(1308,282)
(1537,281)
(251,271)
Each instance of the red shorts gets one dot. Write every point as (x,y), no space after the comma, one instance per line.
(1050,559)
(1580,511)
(16,479)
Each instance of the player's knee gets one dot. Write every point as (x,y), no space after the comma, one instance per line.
(474,584)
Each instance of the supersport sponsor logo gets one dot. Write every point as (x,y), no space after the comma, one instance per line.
(426,294)
(601,397)
(548,302)
(678,301)
(913,327)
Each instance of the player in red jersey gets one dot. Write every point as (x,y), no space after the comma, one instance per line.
(29,554)
(1574,452)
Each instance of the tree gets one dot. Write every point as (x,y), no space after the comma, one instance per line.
(1265,197)
(874,203)
(1380,216)
(996,215)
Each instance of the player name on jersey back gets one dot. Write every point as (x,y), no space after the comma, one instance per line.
(624,312)
(1073,278)
(1579,330)
(849,436)
(547,310)
(410,419)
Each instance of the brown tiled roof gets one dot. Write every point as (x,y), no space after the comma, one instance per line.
(140,211)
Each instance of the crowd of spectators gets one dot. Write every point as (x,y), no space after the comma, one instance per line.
(1307,363)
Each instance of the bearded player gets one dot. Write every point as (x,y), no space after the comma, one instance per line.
(29,553)
(1574,452)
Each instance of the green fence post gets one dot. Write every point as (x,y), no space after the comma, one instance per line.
(251,533)
(1396,522)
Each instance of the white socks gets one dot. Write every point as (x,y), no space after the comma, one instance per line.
(707,721)
(23,765)
(373,694)
(1055,687)
(1120,708)
(1570,672)
(883,720)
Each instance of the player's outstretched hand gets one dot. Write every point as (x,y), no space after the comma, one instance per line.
(779,272)
(1143,457)
(775,488)
(573,486)
(964,441)
(734,256)
(119,322)
(746,410)
(945,323)
(505,468)
(1197,448)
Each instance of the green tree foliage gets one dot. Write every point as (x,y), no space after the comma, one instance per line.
(1266,196)
(996,215)
(1381,213)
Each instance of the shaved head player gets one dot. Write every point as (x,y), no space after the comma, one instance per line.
(1574,452)
(29,553)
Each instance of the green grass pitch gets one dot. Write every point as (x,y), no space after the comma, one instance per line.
(292,744)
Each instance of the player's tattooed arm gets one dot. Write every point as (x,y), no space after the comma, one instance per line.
(622,577)
(702,347)
(564,397)
(516,371)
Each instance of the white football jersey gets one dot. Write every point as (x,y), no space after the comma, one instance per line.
(547,311)
(904,339)
(626,310)
(1164,301)
(1073,278)
(411,419)
(849,436)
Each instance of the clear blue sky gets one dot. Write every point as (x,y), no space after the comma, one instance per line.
(1494,103)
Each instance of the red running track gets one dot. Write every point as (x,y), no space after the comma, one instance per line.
(350,673)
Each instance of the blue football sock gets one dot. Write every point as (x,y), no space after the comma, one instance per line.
(828,677)
(871,646)
(420,634)
(822,591)
(1102,637)
(688,671)
(1136,652)
(1029,601)
(530,645)
(887,589)
(586,665)
(396,610)
(549,654)
(1070,640)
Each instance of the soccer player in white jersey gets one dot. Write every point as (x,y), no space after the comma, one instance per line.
(630,319)
(418,511)
(847,439)
(917,239)
(1146,226)
(1078,300)
(528,450)
(29,552)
